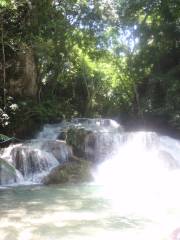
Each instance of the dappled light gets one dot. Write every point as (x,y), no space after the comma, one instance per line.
(68,213)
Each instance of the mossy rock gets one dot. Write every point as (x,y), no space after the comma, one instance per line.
(77,170)
(79,138)
(8,173)
(76,136)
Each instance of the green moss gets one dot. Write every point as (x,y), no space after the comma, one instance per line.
(76,171)
(76,137)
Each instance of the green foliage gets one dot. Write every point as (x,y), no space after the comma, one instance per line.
(4,138)
(153,62)
(94,58)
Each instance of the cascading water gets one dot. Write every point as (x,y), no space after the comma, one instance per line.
(29,162)
(141,162)
(50,131)
(141,177)
(135,194)
(32,160)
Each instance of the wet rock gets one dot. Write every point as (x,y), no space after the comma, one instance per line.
(62,135)
(91,138)
(77,170)
(8,173)
(91,145)
(77,138)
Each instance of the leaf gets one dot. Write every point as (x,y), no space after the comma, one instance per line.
(4,138)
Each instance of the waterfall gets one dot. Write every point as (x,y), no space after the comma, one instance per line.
(50,131)
(135,193)
(31,161)
(142,173)
(139,157)
(95,137)
(142,160)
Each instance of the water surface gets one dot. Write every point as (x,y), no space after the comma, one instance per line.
(72,212)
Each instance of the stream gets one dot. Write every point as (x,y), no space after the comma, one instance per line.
(135,193)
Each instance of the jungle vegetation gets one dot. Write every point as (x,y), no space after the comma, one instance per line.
(93,58)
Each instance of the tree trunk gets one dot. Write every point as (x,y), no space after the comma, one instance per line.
(3,64)
(139,110)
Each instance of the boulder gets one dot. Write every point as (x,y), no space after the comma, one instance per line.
(91,145)
(78,139)
(77,170)
(91,138)
(62,135)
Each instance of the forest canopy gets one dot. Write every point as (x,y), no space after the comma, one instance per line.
(66,58)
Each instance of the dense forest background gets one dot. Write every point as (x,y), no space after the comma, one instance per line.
(66,58)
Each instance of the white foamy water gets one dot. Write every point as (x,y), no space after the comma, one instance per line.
(141,178)
(135,195)
(34,159)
